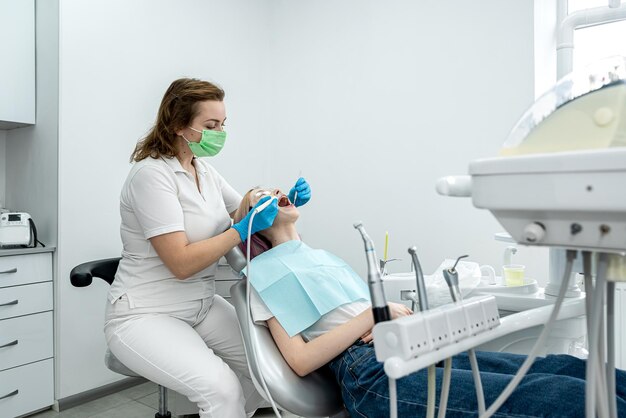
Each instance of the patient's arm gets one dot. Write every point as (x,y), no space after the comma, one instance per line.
(305,357)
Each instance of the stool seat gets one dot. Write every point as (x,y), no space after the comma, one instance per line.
(117,366)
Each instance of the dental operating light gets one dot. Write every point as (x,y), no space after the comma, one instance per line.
(559,182)
(560,176)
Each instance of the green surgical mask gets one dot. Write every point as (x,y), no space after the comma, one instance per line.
(210,144)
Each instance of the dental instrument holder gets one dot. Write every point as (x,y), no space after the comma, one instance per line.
(383,265)
(451,276)
(419,280)
(380,309)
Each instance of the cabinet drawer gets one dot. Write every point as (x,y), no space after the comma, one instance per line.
(29,388)
(222,287)
(24,269)
(23,300)
(25,339)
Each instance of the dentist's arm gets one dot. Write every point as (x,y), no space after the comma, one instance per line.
(304,358)
(185,259)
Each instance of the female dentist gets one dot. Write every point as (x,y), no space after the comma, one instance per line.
(164,320)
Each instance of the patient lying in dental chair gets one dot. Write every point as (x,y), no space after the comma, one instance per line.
(318,312)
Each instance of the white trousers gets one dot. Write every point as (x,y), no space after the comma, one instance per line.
(193,348)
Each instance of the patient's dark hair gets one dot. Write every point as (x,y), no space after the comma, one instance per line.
(258,243)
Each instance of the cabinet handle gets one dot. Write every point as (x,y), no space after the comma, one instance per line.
(13,270)
(14,302)
(9,345)
(15,392)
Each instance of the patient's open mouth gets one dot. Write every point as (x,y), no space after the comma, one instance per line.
(284,201)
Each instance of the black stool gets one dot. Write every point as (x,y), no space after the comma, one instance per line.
(81,276)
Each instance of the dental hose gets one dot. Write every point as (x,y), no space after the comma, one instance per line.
(593,375)
(480,396)
(571,255)
(610,366)
(432,391)
(597,377)
(445,387)
(251,321)
(601,391)
(451,277)
(420,285)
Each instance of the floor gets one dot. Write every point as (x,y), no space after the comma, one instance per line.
(139,401)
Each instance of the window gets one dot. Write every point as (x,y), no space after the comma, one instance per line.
(574,5)
(596,42)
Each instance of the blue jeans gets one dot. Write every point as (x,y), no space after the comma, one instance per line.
(553,387)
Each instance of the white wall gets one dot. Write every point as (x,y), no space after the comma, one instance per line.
(116,60)
(374,101)
(31,166)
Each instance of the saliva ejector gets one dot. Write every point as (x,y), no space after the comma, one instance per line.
(264,205)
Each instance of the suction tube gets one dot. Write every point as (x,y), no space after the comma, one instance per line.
(374,281)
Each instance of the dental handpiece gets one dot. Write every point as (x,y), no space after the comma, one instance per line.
(451,276)
(380,308)
(419,280)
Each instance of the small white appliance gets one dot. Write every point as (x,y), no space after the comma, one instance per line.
(17,229)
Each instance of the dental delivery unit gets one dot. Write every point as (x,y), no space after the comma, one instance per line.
(559,183)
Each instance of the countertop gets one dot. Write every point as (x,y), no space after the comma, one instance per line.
(22,251)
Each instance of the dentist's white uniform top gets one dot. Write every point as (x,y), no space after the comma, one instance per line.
(158,198)
(203,356)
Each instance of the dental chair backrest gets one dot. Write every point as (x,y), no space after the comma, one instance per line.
(315,395)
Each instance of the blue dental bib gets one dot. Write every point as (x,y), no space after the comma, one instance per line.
(299,284)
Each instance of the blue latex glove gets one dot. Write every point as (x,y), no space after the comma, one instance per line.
(304,192)
(261,221)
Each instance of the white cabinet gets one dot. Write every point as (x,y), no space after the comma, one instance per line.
(26,333)
(17,58)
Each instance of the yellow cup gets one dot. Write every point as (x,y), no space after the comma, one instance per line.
(514,274)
